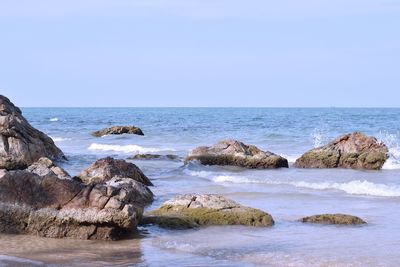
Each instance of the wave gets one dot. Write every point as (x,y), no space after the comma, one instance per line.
(127,148)
(54,119)
(393,143)
(354,187)
(60,139)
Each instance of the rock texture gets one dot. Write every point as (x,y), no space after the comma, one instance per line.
(333,219)
(153,156)
(235,153)
(118,130)
(20,143)
(354,150)
(107,168)
(187,211)
(51,207)
(45,166)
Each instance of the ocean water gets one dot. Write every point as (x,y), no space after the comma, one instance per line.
(287,194)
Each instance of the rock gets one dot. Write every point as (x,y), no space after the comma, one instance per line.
(107,168)
(45,166)
(232,152)
(354,150)
(118,130)
(153,156)
(333,219)
(64,208)
(187,211)
(20,143)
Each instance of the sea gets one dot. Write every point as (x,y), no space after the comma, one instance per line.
(287,194)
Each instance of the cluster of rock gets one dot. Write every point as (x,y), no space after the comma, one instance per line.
(154,156)
(118,130)
(106,201)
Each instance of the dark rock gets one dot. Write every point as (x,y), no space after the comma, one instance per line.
(107,168)
(354,150)
(153,156)
(20,143)
(333,219)
(235,153)
(118,130)
(188,211)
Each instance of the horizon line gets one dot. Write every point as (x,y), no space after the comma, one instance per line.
(310,107)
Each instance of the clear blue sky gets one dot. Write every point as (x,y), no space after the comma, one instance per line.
(200,52)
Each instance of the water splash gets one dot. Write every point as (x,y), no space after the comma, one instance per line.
(319,137)
(392,141)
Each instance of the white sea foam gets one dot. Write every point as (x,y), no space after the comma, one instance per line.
(54,119)
(393,143)
(127,148)
(319,137)
(60,139)
(355,187)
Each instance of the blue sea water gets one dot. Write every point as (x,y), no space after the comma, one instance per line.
(287,194)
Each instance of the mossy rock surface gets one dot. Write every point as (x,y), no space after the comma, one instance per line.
(355,151)
(343,219)
(197,210)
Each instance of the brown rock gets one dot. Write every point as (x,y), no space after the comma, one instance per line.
(20,143)
(107,168)
(118,130)
(354,150)
(235,153)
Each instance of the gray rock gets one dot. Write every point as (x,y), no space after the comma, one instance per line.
(333,219)
(20,143)
(45,166)
(118,130)
(235,153)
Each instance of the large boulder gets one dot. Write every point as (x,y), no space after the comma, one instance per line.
(20,143)
(118,130)
(107,168)
(44,166)
(65,208)
(235,153)
(333,219)
(354,150)
(192,210)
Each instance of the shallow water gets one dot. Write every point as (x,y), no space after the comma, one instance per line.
(287,194)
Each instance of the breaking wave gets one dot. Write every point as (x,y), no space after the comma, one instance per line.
(54,119)
(127,148)
(60,139)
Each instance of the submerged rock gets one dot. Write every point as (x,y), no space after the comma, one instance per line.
(235,153)
(333,219)
(118,130)
(354,150)
(20,143)
(107,168)
(153,156)
(192,210)
(51,207)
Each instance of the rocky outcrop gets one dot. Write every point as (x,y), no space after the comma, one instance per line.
(20,143)
(235,153)
(107,168)
(193,210)
(118,130)
(333,219)
(153,156)
(354,150)
(64,208)
(45,166)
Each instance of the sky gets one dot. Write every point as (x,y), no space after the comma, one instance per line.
(200,53)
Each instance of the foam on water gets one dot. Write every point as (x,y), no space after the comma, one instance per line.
(60,139)
(54,119)
(126,148)
(319,137)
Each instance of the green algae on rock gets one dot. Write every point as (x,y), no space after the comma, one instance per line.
(186,211)
(343,219)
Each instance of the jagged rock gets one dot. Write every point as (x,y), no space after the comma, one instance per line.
(333,219)
(52,207)
(354,150)
(20,143)
(118,130)
(192,210)
(45,166)
(107,168)
(153,156)
(232,152)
